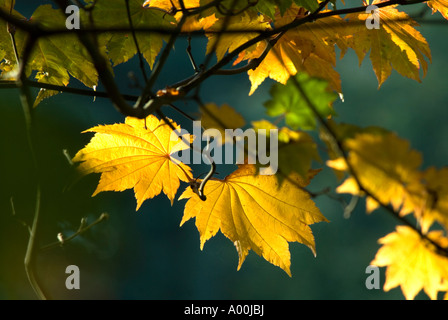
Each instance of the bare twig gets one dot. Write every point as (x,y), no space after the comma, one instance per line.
(83,227)
(26,101)
(8,84)
(147,94)
(30,255)
(134,36)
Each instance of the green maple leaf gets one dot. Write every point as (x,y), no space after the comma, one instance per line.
(55,58)
(268,7)
(287,101)
(7,55)
(310,5)
(121,46)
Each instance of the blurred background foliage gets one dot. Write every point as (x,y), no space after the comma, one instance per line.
(145,254)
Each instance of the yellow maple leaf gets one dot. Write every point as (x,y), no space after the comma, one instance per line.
(412,262)
(135,154)
(221,118)
(306,48)
(396,44)
(296,149)
(436,206)
(279,64)
(384,165)
(430,198)
(164,5)
(439,5)
(221,40)
(192,23)
(254,212)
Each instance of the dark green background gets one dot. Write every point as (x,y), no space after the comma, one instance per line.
(145,254)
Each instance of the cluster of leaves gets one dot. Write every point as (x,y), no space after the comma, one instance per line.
(292,42)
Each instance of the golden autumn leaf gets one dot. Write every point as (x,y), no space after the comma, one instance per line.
(192,22)
(296,149)
(279,64)
(120,47)
(439,5)
(306,48)
(135,154)
(396,44)
(255,212)
(227,42)
(430,198)
(412,262)
(284,60)
(437,187)
(171,5)
(385,166)
(220,118)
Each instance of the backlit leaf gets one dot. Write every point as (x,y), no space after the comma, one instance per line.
(135,154)
(8,61)
(224,42)
(412,262)
(53,59)
(220,118)
(309,49)
(439,5)
(254,212)
(385,166)
(310,5)
(296,149)
(192,22)
(288,101)
(121,46)
(430,198)
(396,44)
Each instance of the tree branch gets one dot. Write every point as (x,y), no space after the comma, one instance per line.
(26,101)
(30,255)
(9,84)
(340,148)
(147,103)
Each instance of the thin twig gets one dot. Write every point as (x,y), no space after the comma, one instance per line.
(142,103)
(190,56)
(26,101)
(134,36)
(83,227)
(30,255)
(14,214)
(9,84)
